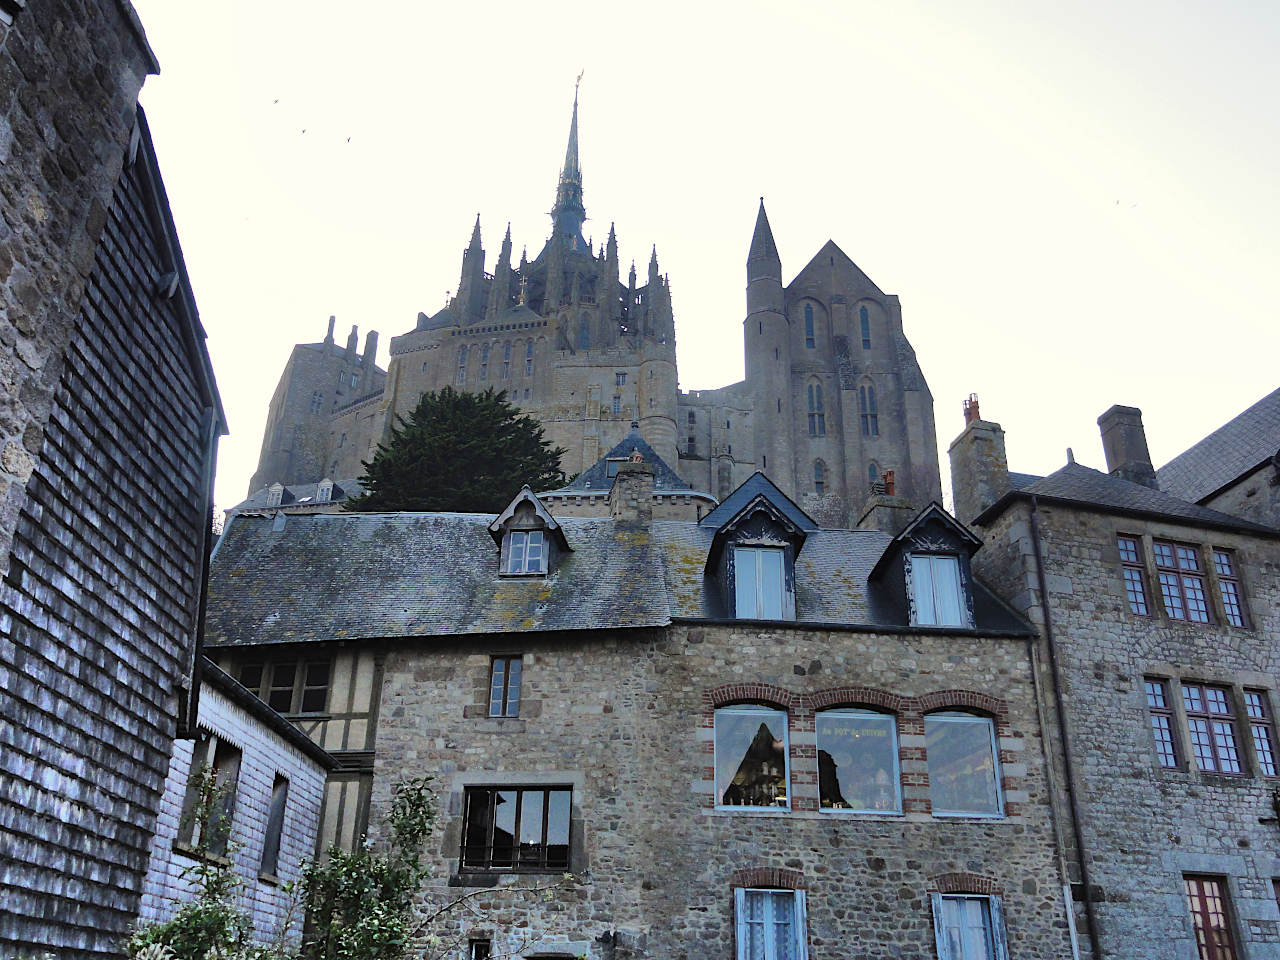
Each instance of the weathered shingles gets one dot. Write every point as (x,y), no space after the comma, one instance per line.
(1234,448)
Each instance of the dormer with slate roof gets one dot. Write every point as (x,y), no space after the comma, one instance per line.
(924,576)
(529,539)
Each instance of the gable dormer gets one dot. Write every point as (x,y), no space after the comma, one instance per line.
(530,541)
(759,532)
(925,573)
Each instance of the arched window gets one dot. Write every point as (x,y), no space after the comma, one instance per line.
(584,332)
(462,364)
(858,761)
(751,748)
(865,321)
(528,360)
(506,361)
(810,340)
(819,478)
(867,409)
(817,417)
(964,774)
(873,474)
(484,362)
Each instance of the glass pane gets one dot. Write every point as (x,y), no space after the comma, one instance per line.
(475,831)
(497,687)
(770,590)
(857,761)
(962,774)
(745,577)
(751,761)
(1128,549)
(515,555)
(251,676)
(784,939)
(1188,558)
(514,668)
(1222,563)
(1155,694)
(531,807)
(922,589)
(1164,554)
(504,828)
(558,810)
(315,699)
(1200,743)
(1224,738)
(946,590)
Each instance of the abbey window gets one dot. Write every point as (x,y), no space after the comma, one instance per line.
(810,340)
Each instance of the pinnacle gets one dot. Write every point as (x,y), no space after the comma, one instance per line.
(762,245)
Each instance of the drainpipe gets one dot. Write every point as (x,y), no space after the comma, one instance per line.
(1091,920)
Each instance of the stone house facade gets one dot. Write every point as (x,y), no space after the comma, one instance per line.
(109,418)
(1157,618)
(274,776)
(743,724)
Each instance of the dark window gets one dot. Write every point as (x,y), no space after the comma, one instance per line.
(506,361)
(526,552)
(817,416)
(214,830)
(620,379)
(317,402)
(858,761)
(480,949)
(1160,707)
(964,777)
(516,828)
(314,696)
(1262,730)
(343,441)
(867,410)
(751,768)
(692,418)
(528,363)
(819,478)
(873,474)
(1224,566)
(1135,581)
(275,826)
(504,686)
(279,693)
(484,362)
(289,686)
(1211,723)
(1181,581)
(865,322)
(584,334)
(1210,917)
(462,364)
(809,339)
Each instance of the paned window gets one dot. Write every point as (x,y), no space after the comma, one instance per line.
(289,686)
(1160,709)
(968,927)
(1210,917)
(1131,568)
(1262,729)
(504,686)
(858,761)
(817,415)
(938,599)
(506,361)
(275,827)
(1181,581)
(462,364)
(620,379)
(867,410)
(214,831)
(1224,566)
(873,474)
(526,552)
(810,340)
(751,757)
(521,829)
(758,583)
(819,478)
(1211,724)
(964,778)
(528,363)
(770,924)
(317,402)
(865,322)
(484,362)
(584,333)
(617,404)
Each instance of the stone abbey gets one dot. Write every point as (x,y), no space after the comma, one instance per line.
(833,398)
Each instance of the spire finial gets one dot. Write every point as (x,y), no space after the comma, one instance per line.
(568,213)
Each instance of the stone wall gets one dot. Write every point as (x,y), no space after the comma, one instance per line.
(1256,497)
(626,720)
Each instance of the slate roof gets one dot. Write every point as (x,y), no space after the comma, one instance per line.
(596,477)
(296,493)
(1077,484)
(1237,447)
(324,577)
(758,485)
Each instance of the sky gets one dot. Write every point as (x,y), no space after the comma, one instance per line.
(1076,203)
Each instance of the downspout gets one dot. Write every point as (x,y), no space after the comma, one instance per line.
(1091,920)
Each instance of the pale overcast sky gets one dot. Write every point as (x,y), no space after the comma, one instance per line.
(1076,203)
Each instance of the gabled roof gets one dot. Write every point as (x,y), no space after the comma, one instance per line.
(1085,487)
(596,477)
(758,485)
(298,493)
(1239,446)
(817,270)
(527,496)
(934,511)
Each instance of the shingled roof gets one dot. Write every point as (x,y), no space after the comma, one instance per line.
(596,477)
(1239,446)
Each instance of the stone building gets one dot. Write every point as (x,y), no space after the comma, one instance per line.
(1157,618)
(738,727)
(833,397)
(273,778)
(109,418)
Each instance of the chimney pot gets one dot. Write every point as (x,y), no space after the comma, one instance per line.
(971,409)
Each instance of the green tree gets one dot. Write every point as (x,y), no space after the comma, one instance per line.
(459,452)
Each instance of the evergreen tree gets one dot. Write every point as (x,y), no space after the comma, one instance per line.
(459,452)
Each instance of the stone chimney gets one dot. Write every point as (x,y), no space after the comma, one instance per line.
(979,467)
(370,347)
(884,510)
(1124,444)
(631,497)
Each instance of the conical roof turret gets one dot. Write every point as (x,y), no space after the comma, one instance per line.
(763,259)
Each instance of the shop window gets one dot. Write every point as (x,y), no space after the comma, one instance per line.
(518,829)
(858,761)
(751,751)
(770,924)
(504,686)
(964,776)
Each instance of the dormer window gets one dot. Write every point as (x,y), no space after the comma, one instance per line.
(760,587)
(526,552)
(275,494)
(324,491)
(936,591)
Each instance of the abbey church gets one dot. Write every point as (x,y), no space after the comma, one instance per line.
(833,401)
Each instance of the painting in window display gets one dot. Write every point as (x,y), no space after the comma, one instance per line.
(751,757)
(858,761)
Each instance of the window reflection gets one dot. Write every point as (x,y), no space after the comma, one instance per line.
(751,757)
(962,765)
(858,761)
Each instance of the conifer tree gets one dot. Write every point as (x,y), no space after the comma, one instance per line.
(459,452)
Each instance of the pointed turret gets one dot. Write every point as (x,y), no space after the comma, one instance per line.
(471,294)
(763,259)
(611,246)
(568,213)
(500,288)
(475,236)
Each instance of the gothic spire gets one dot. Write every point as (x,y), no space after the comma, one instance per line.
(763,259)
(475,235)
(569,213)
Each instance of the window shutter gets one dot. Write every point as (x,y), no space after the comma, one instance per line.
(939,931)
(802,928)
(1001,945)
(740,922)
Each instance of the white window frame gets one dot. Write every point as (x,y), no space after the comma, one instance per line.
(995,925)
(757,710)
(799,923)
(953,566)
(959,716)
(519,560)
(787,610)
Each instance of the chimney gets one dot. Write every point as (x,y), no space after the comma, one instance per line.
(1124,444)
(631,497)
(979,467)
(353,341)
(370,347)
(884,510)
(328,337)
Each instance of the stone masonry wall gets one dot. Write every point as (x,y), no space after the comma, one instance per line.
(264,755)
(627,721)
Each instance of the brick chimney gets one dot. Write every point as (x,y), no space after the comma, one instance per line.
(884,510)
(979,466)
(631,496)
(1124,444)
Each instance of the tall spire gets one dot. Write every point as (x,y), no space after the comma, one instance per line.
(569,213)
(475,235)
(763,259)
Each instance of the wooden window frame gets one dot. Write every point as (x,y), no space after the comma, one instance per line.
(526,566)
(1133,574)
(1163,724)
(1262,731)
(1230,589)
(994,916)
(502,702)
(299,687)
(799,923)
(1180,582)
(1214,723)
(467,861)
(1212,926)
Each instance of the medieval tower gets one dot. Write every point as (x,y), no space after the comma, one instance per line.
(833,398)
